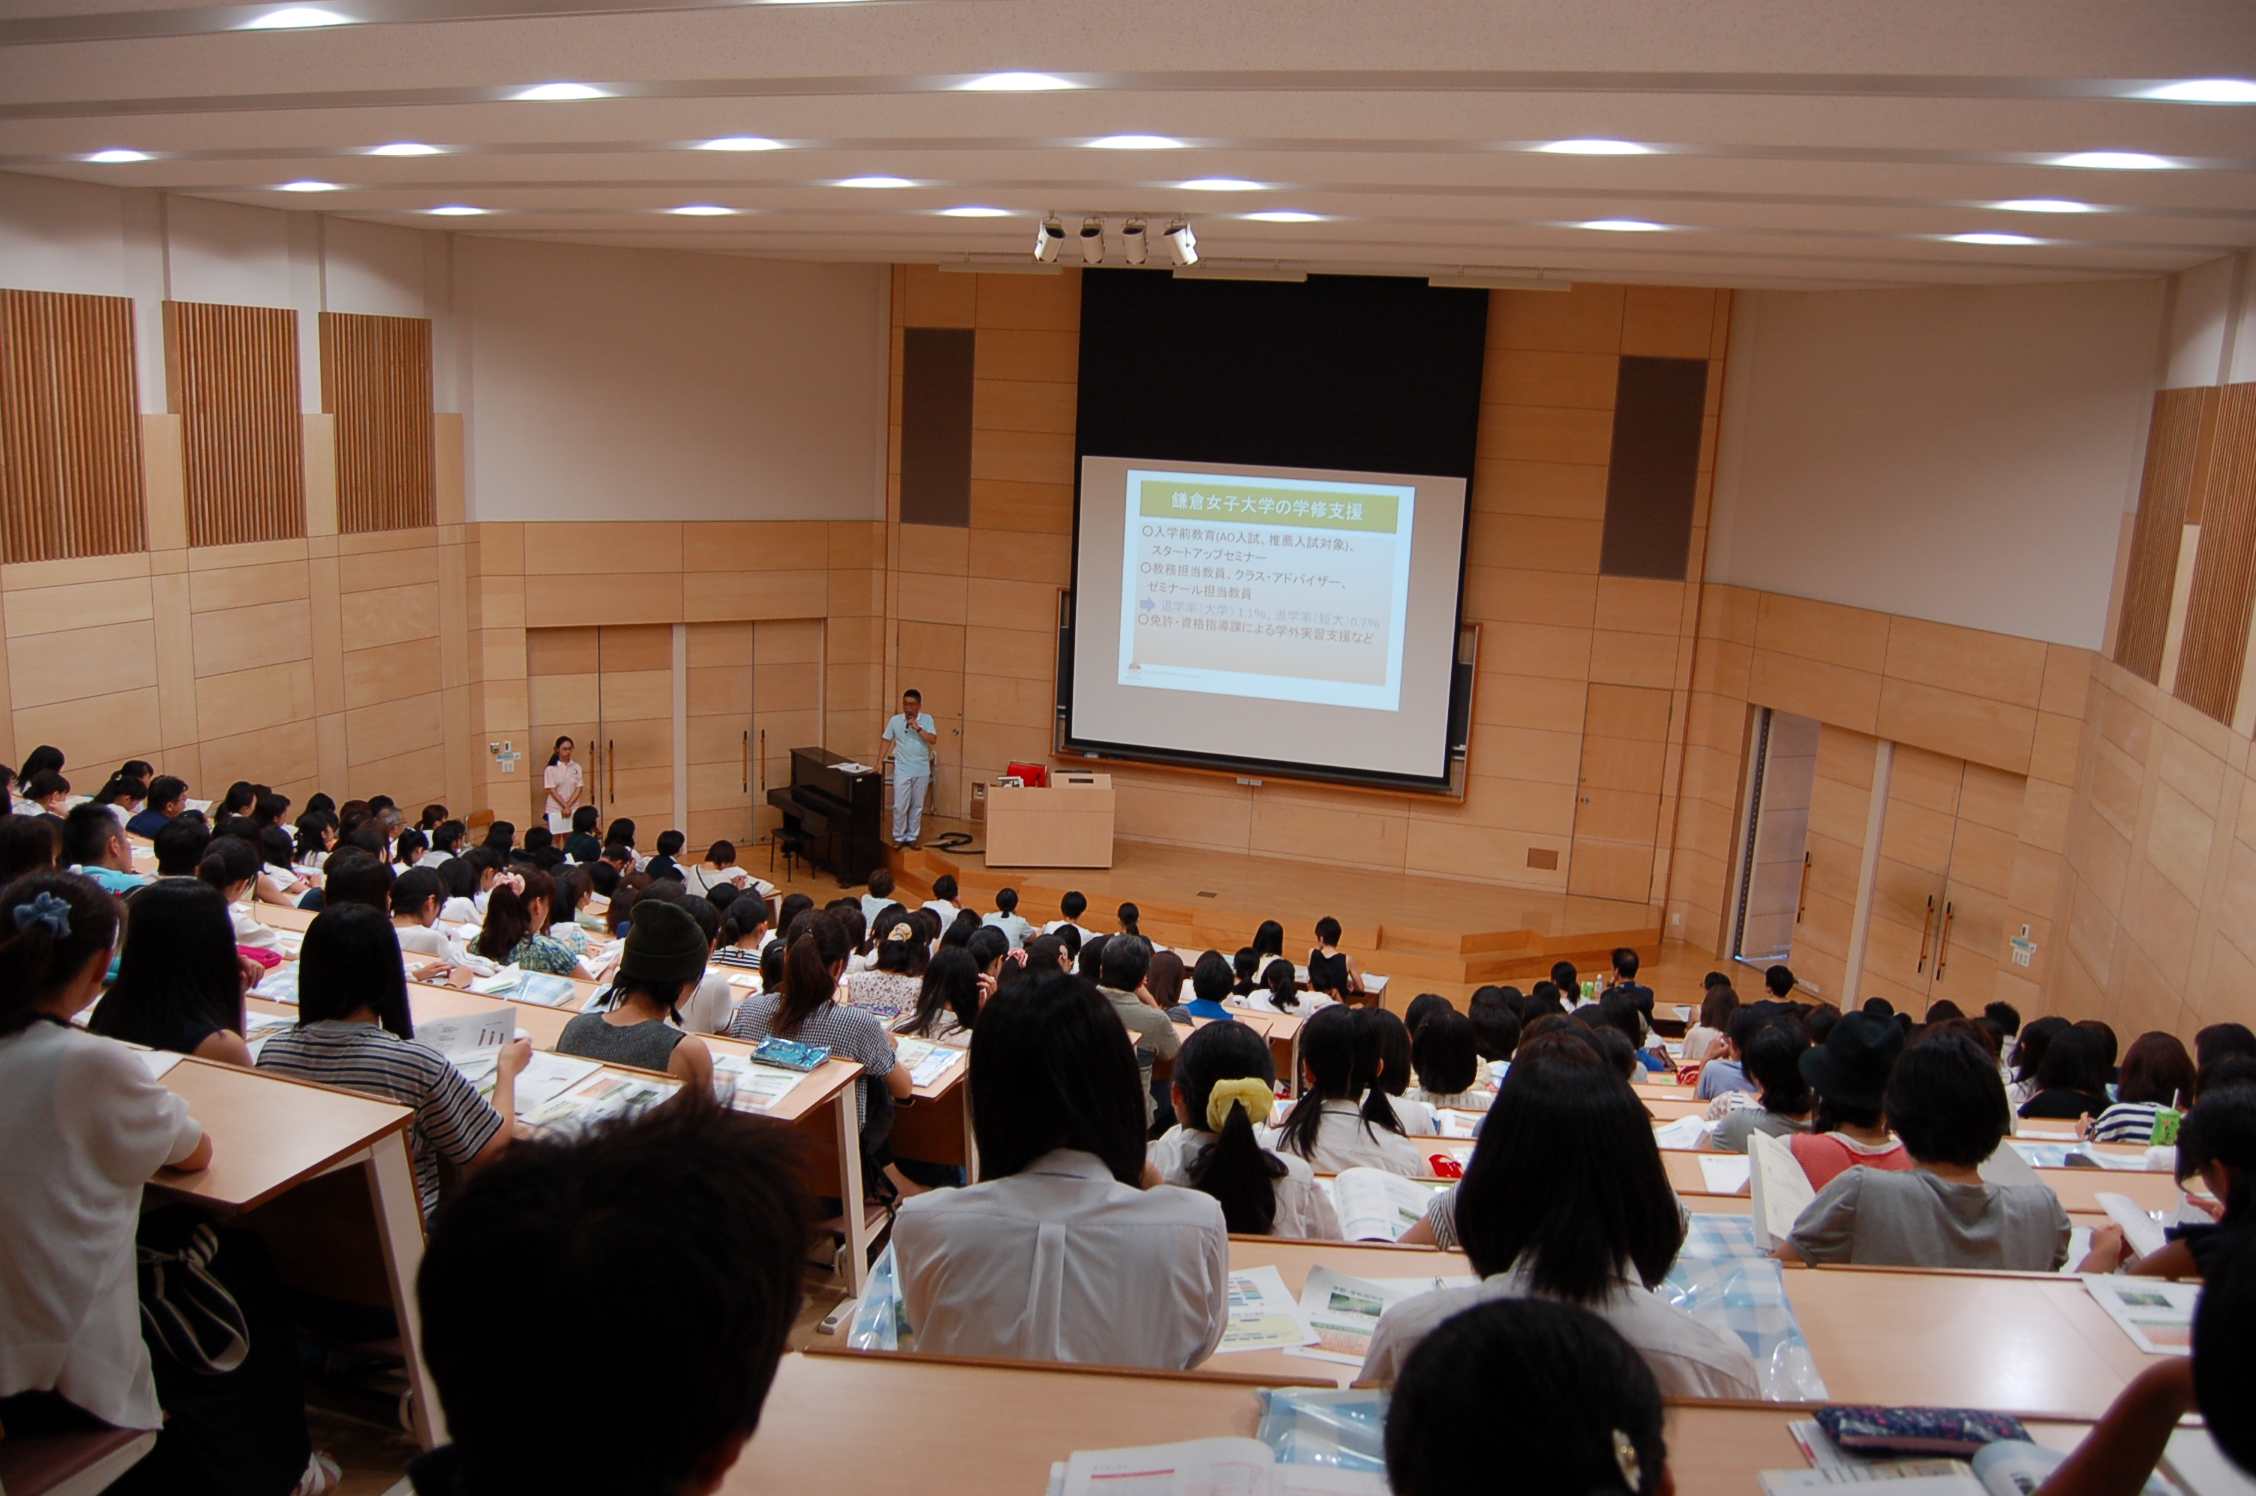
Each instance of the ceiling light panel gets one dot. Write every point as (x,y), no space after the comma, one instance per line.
(876,182)
(296,18)
(2044,205)
(1135,143)
(554,92)
(309,185)
(2115,161)
(1016,83)
(405,148)
(1622,226)
(741,143)
(1594,146)
(118,156)
(2206,91)
(1222,184)
(1992,239)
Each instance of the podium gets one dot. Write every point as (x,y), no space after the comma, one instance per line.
(1066,824)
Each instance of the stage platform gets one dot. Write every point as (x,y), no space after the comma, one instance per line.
(1428,934)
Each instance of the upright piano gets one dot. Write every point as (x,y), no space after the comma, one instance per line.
(834,814)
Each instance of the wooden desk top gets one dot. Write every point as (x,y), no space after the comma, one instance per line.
(2028,1343)
(269,1133)
(985,1429)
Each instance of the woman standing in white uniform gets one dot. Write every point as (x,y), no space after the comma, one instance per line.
(560,783)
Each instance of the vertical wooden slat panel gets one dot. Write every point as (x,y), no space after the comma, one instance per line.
(233,372)
(376,380)
(2218,607)
(70,428)
(2167,495)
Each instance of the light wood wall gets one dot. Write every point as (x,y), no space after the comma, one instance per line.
(70,429)
(970,614)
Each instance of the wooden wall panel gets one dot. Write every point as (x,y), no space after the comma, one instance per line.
(2224,569)
(70,428)
(376,380)
(2168,501)
(232,376)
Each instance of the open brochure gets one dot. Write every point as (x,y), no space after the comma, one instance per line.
(2141,1230)
(1374,1205)
(2010,1467)
(1727,1173)
(467,1033)
(1344,1312)
(279,985)
(752,1087)
(521,986)
(926,1059)
(1684,1132)
(1780,1190)
(1242,1467)
(2155,1312)
(1263,1316)
(599,1098)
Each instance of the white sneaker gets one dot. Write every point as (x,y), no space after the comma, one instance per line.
(321,1477)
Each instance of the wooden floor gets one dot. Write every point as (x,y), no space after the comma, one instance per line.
(1438,934)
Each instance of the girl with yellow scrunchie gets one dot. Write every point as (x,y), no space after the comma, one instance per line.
(1224,1088)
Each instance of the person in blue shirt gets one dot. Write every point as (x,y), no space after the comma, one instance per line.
(1210,983)
(95,848)
(909,737)
(1007,919)
(168,797)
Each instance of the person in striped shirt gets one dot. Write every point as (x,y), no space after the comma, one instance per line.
(2157,1076)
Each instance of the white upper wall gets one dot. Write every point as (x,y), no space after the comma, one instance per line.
(2213,325)
(594,383)
(622,383)
(1962,454)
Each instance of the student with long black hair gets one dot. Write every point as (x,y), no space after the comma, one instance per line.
(1566,1199)
(1774,1062)
(811,1009)
(1343,1119)
(1060,1252)
(1268,947)
(179,981)
(1224,1085)
(947,1003)
(354,1031)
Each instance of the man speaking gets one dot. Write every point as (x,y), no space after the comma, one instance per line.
(908,742)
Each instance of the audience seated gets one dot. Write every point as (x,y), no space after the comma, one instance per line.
(1222,1090)
(1343,1119)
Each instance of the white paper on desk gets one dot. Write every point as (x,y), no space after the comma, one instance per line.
(2200,1468)
(757,1087)
(927,1060)
(1726,1173)
(1344,1312)
(279,985)
(1456,1124)
(159,1061)
(2008,1167)
(289,942)
(468,1033)
(504,981)
(260,1027)
(1780,1190)
(1684,1132)
(546,991)
(1205,1467)
(547,1076)
(1263,1317)
(1374,1205)
(2141,1230)
(2156,1313)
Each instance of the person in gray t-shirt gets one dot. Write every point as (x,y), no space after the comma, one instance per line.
(1946,1102)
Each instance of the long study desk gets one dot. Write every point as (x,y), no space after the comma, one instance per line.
(271,1135)
(986,1427)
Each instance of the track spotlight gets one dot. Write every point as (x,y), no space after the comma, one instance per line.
(1132,244)
(1182,244)
(1092,241)
(1048,239)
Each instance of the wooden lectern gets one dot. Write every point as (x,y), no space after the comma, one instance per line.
(1067,824)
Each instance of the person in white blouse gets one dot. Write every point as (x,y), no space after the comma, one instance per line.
(1566,1199)
(560,787)
(87,1125)
(1343,1119)
(1069,1248)
(1224,1086)
(416,895)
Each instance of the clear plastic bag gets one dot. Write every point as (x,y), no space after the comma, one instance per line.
(1746,1297)
(1343,1430)
(881,1320)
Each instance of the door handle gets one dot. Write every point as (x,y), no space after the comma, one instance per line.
(611,761)
(1942,943)
(1925,925)
(1801,896)
(746,786)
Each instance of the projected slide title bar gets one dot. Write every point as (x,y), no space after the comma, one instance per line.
(1162,498)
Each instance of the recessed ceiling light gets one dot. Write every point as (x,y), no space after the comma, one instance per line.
(119,156)
(975,212)
(1223,184)
(1135,143)
(875,182)
(2044,205)
(702,210)
(309,186)
(457,210)
(1596,147)
(2115,161)
(1623,226)
(541,91)
(741,143)
(2206,91)
(1016,83)
(405,148)
(295,18)
(1283,215)
(1991,239)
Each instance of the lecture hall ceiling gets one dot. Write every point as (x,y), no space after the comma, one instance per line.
(1729,142)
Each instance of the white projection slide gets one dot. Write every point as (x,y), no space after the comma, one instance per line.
(1277,589)
(1267,615)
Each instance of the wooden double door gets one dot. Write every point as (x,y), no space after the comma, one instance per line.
(1940,890)
(680,726)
